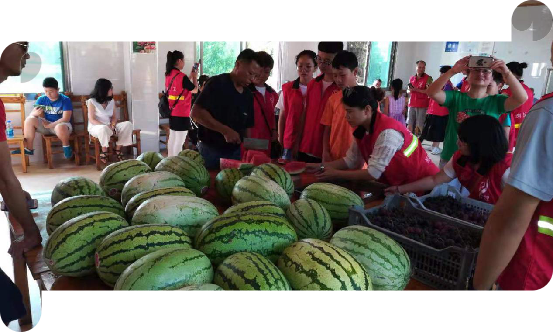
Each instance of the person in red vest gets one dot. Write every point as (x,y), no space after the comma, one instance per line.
(516,245)
(419,101)
(292,103)
(319,91)
(179,88)
(464,85)
(481,164)
(518,114)
(394,156)
(265,99)
(12,61)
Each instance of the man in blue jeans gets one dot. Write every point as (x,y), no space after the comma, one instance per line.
(224,111)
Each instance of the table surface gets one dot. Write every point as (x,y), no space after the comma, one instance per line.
(49,281)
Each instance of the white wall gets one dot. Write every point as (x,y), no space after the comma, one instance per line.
(289,50)
(188,49)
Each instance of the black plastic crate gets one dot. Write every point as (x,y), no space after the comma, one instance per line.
(449,268)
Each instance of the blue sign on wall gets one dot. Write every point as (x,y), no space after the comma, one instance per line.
(451,46)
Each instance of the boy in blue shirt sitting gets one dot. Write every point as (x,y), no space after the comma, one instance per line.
(51,116)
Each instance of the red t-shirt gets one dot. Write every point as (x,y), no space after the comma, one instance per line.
(3,137)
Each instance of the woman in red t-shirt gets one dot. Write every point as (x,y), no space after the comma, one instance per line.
(481,164)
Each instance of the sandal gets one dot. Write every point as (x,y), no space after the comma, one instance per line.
(119,155)
(103,157)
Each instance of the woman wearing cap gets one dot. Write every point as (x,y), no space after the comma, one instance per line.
(394,155)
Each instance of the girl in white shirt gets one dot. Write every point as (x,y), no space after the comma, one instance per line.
(102,120)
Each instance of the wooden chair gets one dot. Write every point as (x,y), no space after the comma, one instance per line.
(18,141)
(93,143)
(51,144)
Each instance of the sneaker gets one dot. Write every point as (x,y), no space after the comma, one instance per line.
(27,151)
(67,152)
(436,150)
(428,147)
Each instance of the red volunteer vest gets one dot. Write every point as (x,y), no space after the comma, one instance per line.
(294,106)
(518,115)
(465,85)
(409,164)
(531,266)
(182,109)
(418,99)
(264,115)
(485,188)
(435,108)
(312,133)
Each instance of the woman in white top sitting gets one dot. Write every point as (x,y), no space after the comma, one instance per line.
(102,120)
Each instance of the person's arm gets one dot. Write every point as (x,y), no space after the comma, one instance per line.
(326,142)
(66,117)
(502,235)
(16,200)
(201,116)
(519,95)
(427,183)
(435,91)
(91,115)
(281,126)
(194,76)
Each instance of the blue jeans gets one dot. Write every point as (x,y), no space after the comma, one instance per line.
(212,154)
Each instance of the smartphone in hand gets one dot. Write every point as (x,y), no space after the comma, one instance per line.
(31,203)
(480,61)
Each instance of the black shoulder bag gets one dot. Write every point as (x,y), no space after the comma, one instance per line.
(163,104)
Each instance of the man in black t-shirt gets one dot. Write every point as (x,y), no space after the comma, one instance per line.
(224,111)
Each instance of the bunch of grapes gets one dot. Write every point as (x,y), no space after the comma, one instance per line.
(451,207)
(436,234)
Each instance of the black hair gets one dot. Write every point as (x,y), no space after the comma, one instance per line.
(100,91)
(264,59)
(379,80)
(517,67)
(247,56)
(50,82)
(172,58)
(203,79)
(445,69)
(308,53)
(396,84)
(330,47)
(497,77)
(486,140)
(361,96)
(418,61)
(345,59)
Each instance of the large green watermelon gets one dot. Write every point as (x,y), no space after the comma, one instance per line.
(72,207)
(310,220)
(204,287)
(230,233)
(335,199)
(194,155)
(137,200)
(149,181)
(123,247)
(194,174)
(384,259)
(187,213)
(249,271)
(114,177)
(225,181)
(150,158)
(255,188)
(69,251)
(264,207)
(313,264)
(167,269)
(277,174)
(75,186)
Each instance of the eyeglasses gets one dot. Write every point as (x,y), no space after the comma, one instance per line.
(25,46)
(325,62)
(482,71)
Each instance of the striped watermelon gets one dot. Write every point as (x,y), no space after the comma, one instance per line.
(277,174)
(194,155)
(207,287)
(149,181)
(69,251)
(264,207)
(123,247)
(150,158)
(310,220)
(255,188)
(227,234)
(75,186)
(386,261)
(72,207)
(187,213)
(167,269)
(114,177)
(137,200)
(335,199)
(225,182)
(313,264)
(249,271)
(194,175)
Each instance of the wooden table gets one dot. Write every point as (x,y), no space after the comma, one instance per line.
(49,281)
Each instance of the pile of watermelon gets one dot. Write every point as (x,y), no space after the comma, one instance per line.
(146,227)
